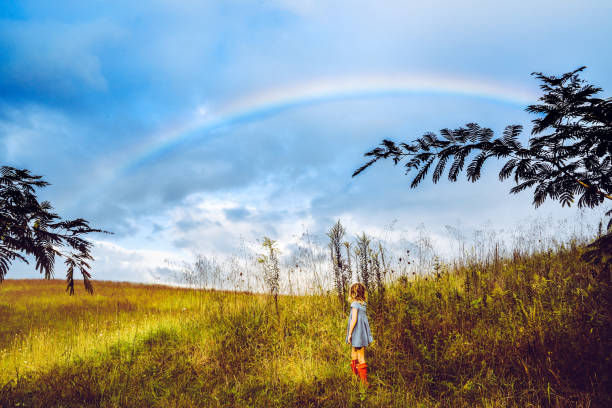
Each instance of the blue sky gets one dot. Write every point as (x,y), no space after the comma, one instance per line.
(185,127)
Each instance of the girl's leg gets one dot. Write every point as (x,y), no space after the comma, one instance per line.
(354,361)
(360,354)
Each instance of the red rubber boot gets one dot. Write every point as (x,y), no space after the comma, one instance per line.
(354,367)
(362,369)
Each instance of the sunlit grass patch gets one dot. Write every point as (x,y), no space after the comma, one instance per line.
(496,334)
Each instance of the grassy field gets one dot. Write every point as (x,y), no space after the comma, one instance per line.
(528,331)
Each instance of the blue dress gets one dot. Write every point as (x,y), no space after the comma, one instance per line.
(362,336)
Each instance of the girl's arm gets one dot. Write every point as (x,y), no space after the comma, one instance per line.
(353,322)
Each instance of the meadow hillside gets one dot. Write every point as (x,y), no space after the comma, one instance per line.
(526,331)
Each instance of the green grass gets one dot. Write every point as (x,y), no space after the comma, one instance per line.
(528,331)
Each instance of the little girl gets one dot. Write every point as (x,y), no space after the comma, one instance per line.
(358,333)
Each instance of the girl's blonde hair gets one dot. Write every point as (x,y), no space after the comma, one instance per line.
(357,293)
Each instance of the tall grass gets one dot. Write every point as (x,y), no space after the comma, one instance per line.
(527,328)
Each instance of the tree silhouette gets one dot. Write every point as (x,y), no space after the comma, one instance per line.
(31,228)
(569,154)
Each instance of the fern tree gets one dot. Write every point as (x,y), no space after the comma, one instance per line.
(29,227)
(568,156)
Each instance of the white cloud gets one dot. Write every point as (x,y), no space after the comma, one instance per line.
(114,262)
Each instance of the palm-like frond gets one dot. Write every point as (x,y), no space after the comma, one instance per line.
(30,227)
(422,172)
(569,153)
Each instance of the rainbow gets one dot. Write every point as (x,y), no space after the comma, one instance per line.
(261,105)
